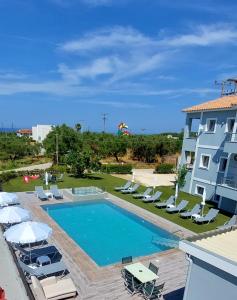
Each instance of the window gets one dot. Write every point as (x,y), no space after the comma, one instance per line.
(223,164)
(193,127)
(230,125)
(190,158)
(199,190)
(216,198)
(211,125)
(204,162)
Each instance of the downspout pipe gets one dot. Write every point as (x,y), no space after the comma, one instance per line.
(189,259)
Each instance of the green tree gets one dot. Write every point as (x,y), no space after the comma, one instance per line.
(81,161)
(181,178)
(13,147)
(66,137)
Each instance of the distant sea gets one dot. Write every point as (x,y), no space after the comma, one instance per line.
(8,129)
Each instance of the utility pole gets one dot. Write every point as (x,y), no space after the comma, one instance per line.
(56,147)
(104,120)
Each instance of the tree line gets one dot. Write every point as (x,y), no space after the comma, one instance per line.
(13,147)
(85,150)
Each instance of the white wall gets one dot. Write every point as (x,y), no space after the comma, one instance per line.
(40,132)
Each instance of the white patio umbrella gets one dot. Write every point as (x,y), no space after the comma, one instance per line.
(133,176)
(46,178)
(154,183)
(8,198)
(14,214)
(176,192)
(203,201)
(28,232)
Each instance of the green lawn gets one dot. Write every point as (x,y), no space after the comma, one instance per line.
(108,182)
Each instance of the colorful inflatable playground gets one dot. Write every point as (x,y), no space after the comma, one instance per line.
(122,129)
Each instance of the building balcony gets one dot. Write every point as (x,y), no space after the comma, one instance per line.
(230,145)
(189,144)
(227,187)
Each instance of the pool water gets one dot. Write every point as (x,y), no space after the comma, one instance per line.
(107,232)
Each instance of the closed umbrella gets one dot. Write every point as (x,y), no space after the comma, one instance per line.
(28,232)
(8,199)
(133,176)
(203,201)
(176,192)
(14,214)
(46,178)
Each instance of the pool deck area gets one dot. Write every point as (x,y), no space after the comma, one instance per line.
(102,283)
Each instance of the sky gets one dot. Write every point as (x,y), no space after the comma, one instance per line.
(138,61)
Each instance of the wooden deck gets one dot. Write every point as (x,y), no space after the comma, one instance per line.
(94,282)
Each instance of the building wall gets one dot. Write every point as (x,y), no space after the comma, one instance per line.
(40,132)
(206,282)
(211,144)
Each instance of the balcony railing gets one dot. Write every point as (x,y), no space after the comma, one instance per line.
(192,135)
(189,166)
(231,137)
(228,181)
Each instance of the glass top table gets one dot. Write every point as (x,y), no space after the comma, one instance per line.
(142,273)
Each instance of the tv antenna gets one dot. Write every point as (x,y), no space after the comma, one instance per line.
(104,118)
(228,86)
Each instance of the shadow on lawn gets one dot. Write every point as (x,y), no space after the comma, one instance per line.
(88,176)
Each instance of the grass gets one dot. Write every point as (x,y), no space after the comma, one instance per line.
(108,182)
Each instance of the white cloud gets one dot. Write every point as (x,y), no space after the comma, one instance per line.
(129,53)
(116,37)
(98,2)
(204,36)
(9,75)
(119,104)
(96,68)
(92,3)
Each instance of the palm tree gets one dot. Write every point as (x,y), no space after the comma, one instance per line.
(78,127)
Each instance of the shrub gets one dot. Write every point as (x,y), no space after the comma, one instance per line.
(164,169)
(58,169)
(119,169)
(6,176)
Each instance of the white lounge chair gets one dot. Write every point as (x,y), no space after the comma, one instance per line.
(153,198)
(180,207)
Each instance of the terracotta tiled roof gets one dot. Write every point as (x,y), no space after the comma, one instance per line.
(224,102)
(24,131)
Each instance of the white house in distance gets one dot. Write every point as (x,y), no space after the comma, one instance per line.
(39,132)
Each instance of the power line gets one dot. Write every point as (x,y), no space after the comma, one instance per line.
(104,118)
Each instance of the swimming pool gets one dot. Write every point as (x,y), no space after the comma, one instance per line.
(106,232)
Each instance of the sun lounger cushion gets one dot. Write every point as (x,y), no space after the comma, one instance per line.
(54,289)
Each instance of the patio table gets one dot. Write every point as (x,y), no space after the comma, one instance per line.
(142,273)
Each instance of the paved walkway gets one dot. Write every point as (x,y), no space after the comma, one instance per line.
(31,168)
(10,279)
(148,178)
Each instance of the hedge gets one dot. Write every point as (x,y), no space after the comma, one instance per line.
(165,169)
(6,176)
(119,169)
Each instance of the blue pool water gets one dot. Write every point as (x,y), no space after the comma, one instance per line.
(107,232)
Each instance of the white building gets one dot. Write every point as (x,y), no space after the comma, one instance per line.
(39,132)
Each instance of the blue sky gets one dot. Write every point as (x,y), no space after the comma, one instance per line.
(140,61)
